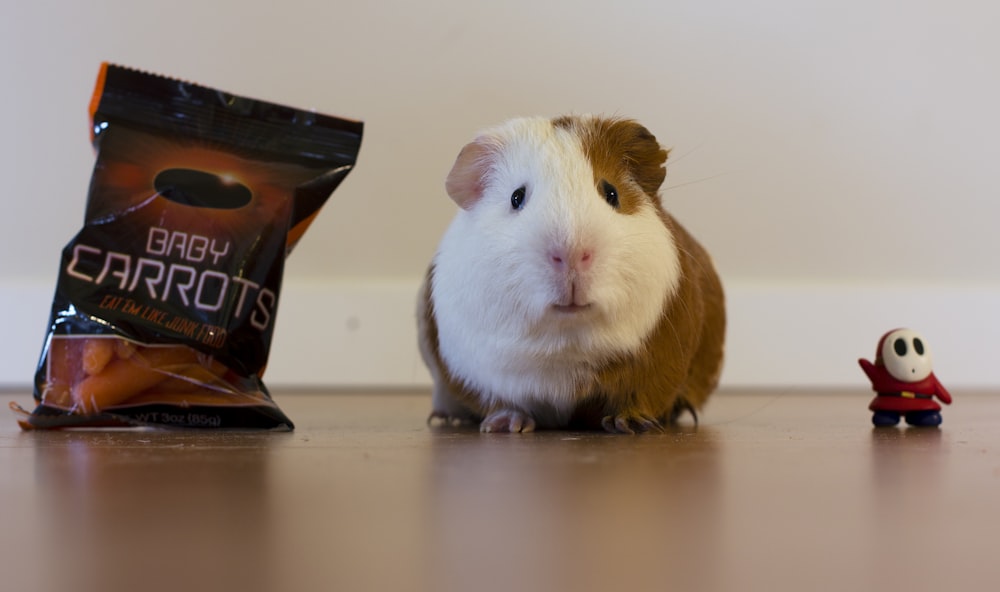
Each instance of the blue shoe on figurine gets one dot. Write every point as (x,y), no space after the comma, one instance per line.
(885,419)
(926,419)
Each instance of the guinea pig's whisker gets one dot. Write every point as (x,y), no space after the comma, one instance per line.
(671,160)
(696,181)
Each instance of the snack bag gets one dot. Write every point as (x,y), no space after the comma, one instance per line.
(166,299)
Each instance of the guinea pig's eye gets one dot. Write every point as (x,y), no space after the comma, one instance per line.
(610,194)
(517,198)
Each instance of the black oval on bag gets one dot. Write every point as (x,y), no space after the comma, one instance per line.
(191,187)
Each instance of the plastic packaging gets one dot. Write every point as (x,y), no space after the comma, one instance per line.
(166,300)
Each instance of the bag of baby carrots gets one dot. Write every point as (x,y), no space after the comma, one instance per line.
(166,299)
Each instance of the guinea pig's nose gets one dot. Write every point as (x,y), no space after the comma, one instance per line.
(579,259)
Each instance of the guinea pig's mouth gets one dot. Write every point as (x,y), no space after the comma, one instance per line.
(571,308)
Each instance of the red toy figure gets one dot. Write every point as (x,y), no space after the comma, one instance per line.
(902,377)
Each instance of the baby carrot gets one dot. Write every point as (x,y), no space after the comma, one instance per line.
(122,379)
(124,349)
(97,353)
(205,372)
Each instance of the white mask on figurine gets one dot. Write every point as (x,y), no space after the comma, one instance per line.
(906,355)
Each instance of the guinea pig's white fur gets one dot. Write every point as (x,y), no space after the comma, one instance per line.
(529,304)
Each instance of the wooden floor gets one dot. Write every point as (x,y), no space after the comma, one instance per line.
(773,491)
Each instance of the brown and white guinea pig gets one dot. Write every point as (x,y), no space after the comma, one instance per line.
(563,295)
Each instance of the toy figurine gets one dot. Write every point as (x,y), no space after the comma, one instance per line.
(902,378)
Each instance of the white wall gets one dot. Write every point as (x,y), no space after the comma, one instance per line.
(837,157)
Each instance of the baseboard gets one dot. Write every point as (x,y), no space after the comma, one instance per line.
(359,334)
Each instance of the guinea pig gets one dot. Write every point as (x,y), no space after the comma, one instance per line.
(563,295)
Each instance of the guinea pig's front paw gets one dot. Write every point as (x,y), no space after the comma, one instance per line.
(630,422)
(508,420)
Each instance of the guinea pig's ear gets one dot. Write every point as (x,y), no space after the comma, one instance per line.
(645,157)
(467,179)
